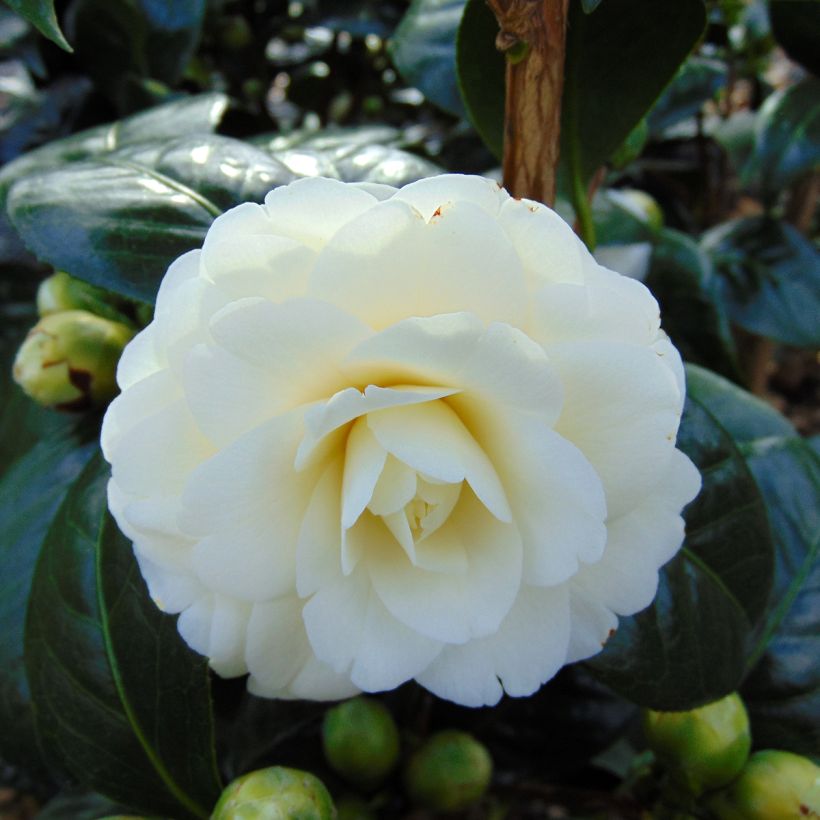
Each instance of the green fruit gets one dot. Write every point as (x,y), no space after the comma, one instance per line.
(276,793)
(773,786)
(704,748)
(68,360)
(449,772)
(361,741)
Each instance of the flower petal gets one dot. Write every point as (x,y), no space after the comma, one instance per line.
(349,629)
(326,419)
(313,210)
(557,498)
(431,439)
(434,193)
(364,461)
(394,264)
(547,247)
(246,506)
(452,607)
(622,410)
(642,541)
(496,365)
(528,649)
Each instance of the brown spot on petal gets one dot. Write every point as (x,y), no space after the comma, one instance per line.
(611,633)
(437,212)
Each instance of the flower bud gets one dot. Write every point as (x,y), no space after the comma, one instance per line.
(69,359)
(704,748)
(773,784)
(63,292)
(275,793)
(361,741)
(449,772)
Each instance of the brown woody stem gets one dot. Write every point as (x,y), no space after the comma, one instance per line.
(533,36)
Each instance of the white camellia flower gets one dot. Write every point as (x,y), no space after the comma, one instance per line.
(375,435)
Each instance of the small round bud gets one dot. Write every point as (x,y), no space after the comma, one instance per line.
(60,292)
(704,748)
(68,360)
(361,741)
(773,784)
(276,793)
(449,772)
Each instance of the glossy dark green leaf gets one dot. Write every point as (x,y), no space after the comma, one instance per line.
(550,735)
(689,647)
(796,27)
(198,114)
(769,278)
(783,691)
(590,5)
(120,219)
(423,50)
(624,216)
(127,43)
(121,703)
(682,279)
(699,79)
(607,88)
(31,490)
(359,163)
(743,416)
(79,805)
(481,71)
(787,138)
(41,14)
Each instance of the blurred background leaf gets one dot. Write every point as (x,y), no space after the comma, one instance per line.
(120,701)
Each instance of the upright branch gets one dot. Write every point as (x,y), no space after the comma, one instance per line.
(533,37)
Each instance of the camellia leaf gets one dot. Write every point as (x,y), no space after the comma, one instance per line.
(31,491)
(783,691)
(481,71)
(120,219)
(787,138)
(127,45)
(770,278)
(41,14)
(423,50)
(121,703)
(689,647)
(743,416)
(590,5)
(682,279)
(796,27)
(198,114)
(698,80)
(607,90)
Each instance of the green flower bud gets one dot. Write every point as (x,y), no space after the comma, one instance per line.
(68,360)
(63,292)
(276,793)
(773,785)
(704,748)
(361,741)
(449,772)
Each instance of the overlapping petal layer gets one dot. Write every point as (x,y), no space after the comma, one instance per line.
(377,435)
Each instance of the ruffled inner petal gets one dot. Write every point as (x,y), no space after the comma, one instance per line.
(395,264)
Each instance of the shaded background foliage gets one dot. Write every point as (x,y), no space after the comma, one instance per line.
(727,143)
